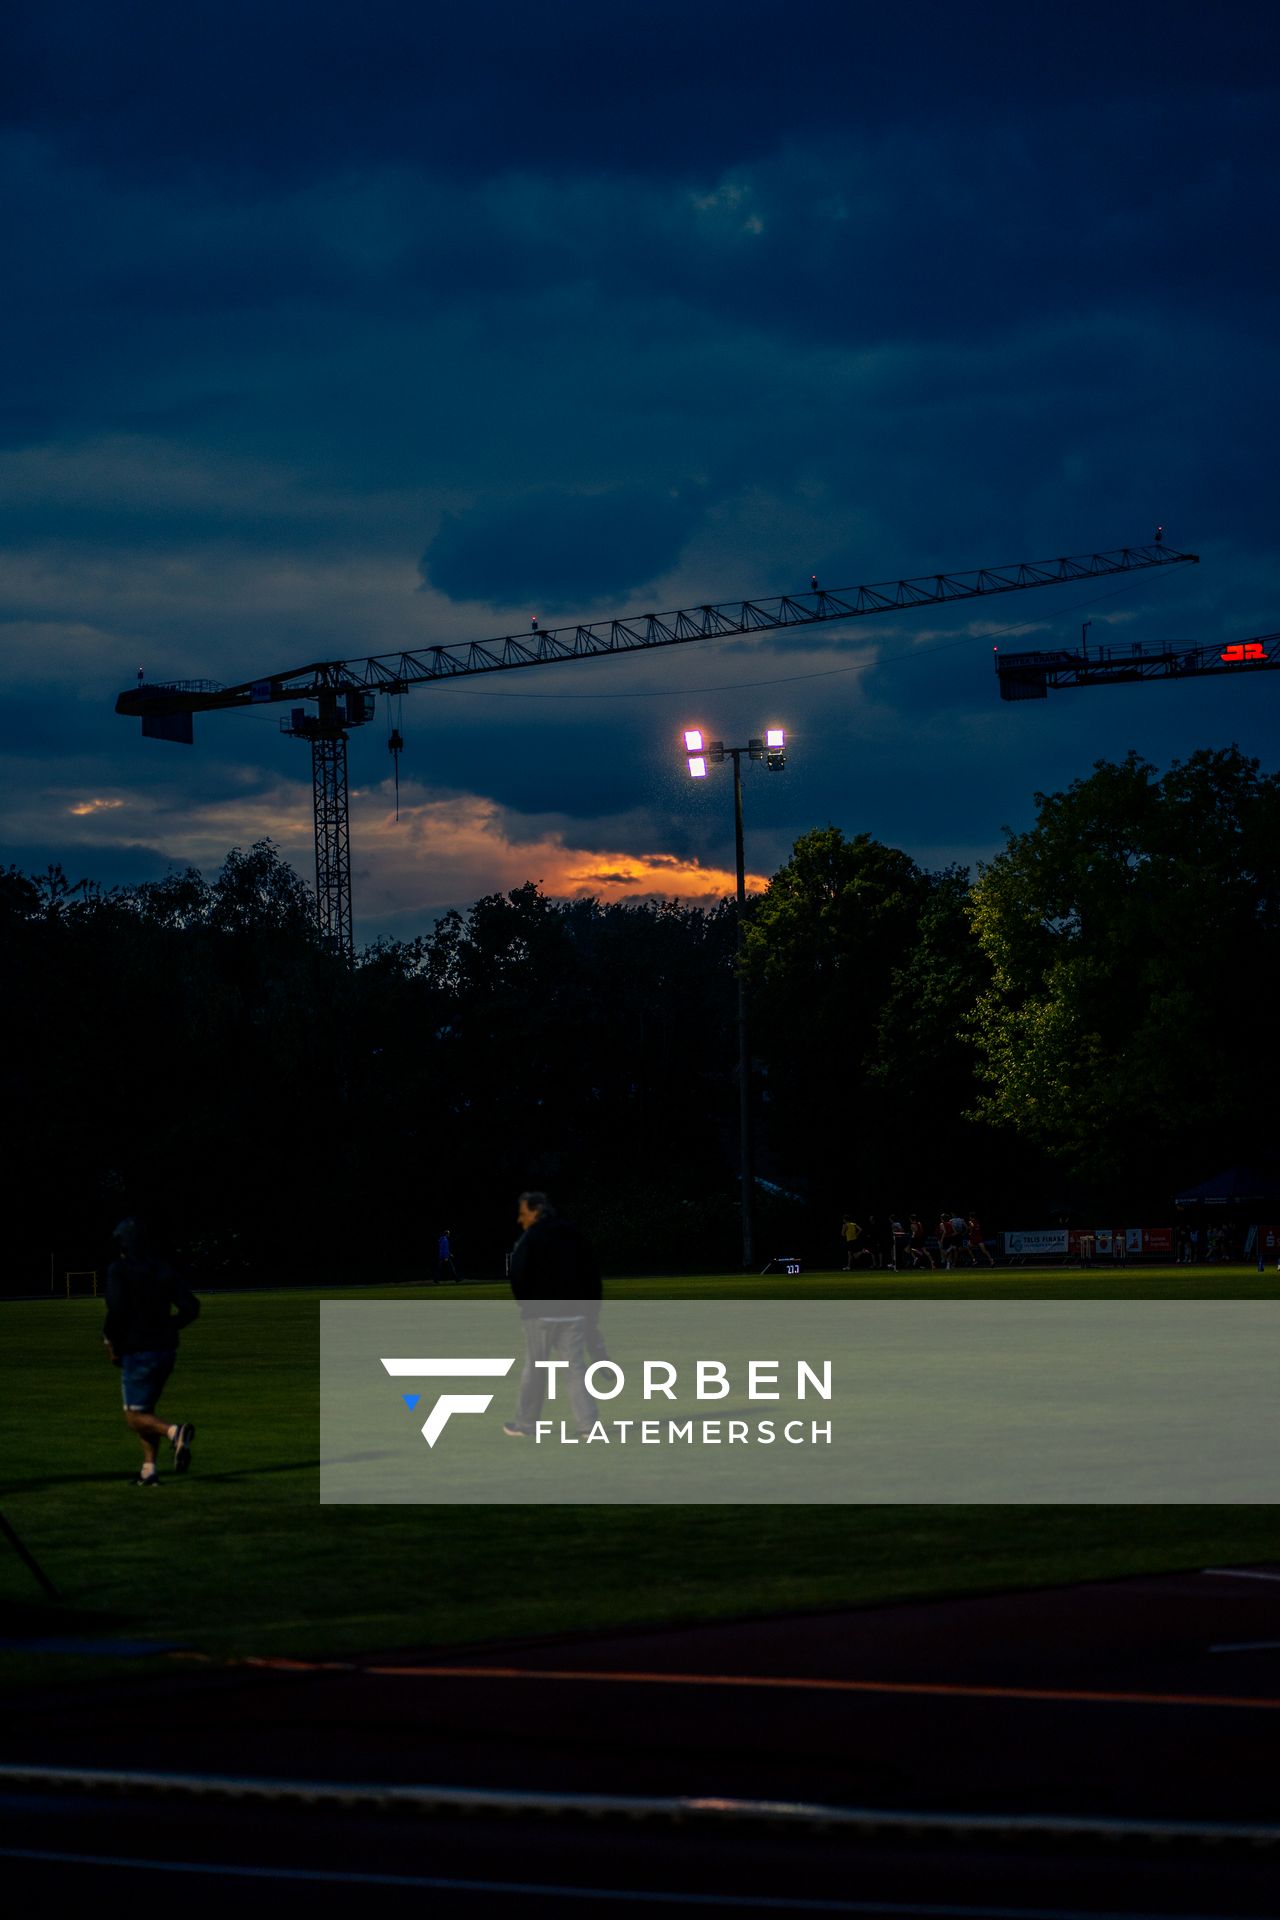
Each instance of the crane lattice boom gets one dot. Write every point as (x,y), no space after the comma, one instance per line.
(394,672)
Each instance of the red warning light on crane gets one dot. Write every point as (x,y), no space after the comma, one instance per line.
(1243,650)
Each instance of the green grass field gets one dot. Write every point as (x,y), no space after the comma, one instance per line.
(240,1558)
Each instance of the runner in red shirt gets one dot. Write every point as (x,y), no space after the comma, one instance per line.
(977,1245)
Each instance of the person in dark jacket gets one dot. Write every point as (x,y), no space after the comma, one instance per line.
(555,1279)
(148,1304)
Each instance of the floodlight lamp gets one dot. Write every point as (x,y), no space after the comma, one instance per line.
(693,740)
(775,739)
(698,766)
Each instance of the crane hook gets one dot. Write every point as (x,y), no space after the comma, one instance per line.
(395,747)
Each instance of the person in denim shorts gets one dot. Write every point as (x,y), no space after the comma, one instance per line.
(148,1304)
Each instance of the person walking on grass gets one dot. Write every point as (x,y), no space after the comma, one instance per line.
(148,1304)
(556,1282)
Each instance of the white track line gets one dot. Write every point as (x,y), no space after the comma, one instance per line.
(738,1902)
(1239,1573)
(1245,1646)
(318,1793)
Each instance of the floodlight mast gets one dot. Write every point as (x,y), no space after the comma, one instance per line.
(769,747)
(166,708)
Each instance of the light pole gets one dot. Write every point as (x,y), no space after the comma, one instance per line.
(701,752)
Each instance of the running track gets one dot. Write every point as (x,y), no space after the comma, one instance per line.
(1111,1748)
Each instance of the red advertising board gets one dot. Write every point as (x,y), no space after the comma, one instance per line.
(1121,1243)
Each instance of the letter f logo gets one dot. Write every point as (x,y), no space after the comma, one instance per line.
(448,1403)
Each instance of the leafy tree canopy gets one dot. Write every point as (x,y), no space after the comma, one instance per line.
(1132,935)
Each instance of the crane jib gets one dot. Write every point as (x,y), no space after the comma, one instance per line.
(395,673)
(1029,676)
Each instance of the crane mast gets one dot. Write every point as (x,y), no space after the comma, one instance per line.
(344,690)
(327,731)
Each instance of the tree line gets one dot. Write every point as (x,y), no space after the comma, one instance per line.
(1084,1025)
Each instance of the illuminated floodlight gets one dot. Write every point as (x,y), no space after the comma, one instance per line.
(693,740)
(775,738)
(698,766)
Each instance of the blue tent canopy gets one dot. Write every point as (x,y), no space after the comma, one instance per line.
(1233,1187)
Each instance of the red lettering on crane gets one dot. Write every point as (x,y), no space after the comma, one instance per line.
(1243,650)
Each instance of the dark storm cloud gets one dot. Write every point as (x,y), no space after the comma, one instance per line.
(244,91)
(866,235)
(560,547)
(45,726)
(332,332)
(106,866)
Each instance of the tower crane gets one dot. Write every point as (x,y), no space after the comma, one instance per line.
(344,691)
(1028,676)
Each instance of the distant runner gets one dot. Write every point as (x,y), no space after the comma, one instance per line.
(141,1337)
(918,1246)
(856,1249)
(977,1242)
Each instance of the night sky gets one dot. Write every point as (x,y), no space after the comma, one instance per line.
(331,330)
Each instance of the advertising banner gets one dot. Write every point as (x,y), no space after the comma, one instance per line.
(1270,1240)
(1031,1243)
(1117,1243)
